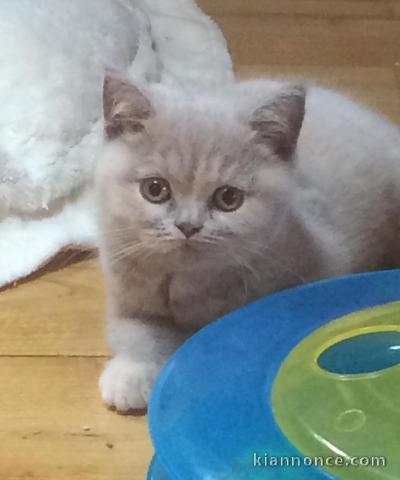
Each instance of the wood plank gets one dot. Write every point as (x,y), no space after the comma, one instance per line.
(375,87)
(291,40)
(62,313)
(383,9)
(53,425)
(396,70)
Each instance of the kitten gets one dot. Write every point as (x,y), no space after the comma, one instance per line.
(211,199)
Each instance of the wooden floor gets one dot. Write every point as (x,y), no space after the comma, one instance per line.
(53,425)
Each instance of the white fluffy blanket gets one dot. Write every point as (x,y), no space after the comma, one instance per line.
(53,54)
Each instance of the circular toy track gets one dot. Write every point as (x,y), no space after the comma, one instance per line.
(299,384)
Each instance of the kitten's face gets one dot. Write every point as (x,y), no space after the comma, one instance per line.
(181,181)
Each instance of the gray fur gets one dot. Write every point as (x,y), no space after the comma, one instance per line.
(321,199)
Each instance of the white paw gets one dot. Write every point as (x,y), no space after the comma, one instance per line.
(126,384)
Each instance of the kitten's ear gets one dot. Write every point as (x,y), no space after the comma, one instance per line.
(278,123)
(125,107)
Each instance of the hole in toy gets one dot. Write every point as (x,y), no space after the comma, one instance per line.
(367,353)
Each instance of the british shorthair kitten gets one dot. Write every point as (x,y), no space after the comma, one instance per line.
(210,199)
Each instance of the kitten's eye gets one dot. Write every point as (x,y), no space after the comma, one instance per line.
(155,190)
(227,198)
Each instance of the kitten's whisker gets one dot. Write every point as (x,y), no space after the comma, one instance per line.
(253,271)
(209,239)
(128,244)
(128,250)
(206,240)
(117,230)
(243,276)
(274,258)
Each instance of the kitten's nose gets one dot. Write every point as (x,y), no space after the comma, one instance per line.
(188,229)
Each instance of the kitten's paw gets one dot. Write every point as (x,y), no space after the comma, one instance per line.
(126,384)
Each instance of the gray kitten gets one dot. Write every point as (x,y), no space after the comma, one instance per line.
(210,199)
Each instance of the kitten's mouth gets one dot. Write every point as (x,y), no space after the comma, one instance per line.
(197,247)
(188,246)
